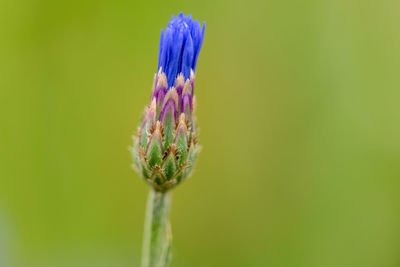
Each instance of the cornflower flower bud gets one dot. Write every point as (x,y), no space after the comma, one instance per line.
(165,147)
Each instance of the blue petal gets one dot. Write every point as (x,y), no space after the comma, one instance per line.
(180,45)
(187,57)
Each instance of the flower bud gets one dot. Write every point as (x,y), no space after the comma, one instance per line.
(165,148)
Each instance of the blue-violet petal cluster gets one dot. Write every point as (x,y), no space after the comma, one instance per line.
(180,45)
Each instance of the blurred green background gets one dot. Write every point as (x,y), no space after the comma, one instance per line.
(298,104)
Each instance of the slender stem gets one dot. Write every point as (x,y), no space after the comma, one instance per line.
(157,233)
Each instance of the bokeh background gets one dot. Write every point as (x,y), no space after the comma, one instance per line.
(298,103)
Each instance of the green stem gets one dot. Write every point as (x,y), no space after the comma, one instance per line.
(157,233)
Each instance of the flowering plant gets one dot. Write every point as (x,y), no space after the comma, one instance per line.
(165,147)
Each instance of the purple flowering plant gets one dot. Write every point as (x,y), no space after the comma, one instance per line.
(165,147)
